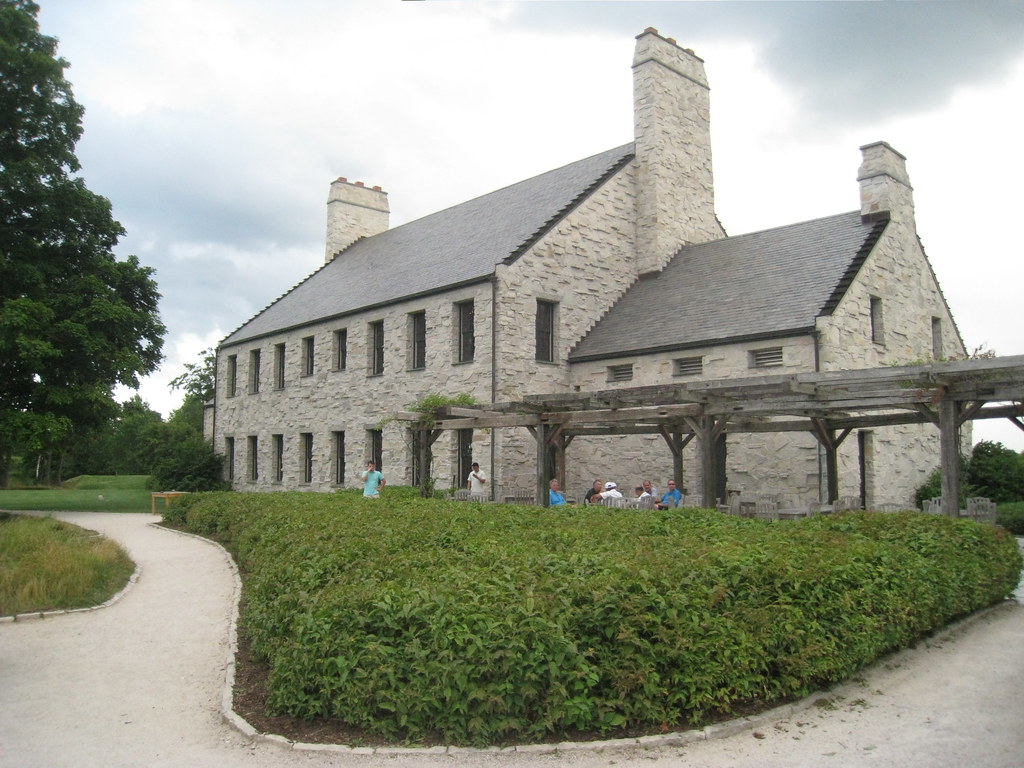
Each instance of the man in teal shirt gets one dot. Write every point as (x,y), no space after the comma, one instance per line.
(373,481)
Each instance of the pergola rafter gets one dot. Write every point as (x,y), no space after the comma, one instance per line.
(828,405)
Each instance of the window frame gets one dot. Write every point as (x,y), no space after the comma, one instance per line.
(308,355)
(253,447)
(254,371)
(277,453)
(417,340)
(545,325)
(767,357)
(339,354)
(306,456)
(877,319)
(338,459)
(375,344)
(621,372)
(280,351)
(688,366)
(465,331)
(231,380)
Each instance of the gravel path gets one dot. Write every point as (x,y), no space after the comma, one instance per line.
(140,683)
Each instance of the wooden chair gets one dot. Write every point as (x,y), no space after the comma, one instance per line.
(616,503)
(766,510)
(462,494)
(888,507)
(981,509)
(933,506)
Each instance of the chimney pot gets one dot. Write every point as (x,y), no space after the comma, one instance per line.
(360,184)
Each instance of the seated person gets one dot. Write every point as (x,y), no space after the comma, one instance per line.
(555,497)
(671,498)
(640,493)
(611,491)
(595,490)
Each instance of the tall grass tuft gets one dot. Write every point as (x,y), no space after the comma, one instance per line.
(46,564)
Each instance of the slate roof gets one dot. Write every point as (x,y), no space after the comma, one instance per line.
(456,246)
(760,285)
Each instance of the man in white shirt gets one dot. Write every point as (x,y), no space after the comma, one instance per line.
(477,480)
(611,491)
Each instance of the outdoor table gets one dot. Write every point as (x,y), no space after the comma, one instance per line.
(166,496)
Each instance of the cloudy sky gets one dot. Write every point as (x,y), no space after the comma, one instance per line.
(216,126)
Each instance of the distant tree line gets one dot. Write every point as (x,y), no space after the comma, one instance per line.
(992,471)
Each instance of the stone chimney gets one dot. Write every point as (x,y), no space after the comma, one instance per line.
(885,189)
(672,129)
(354,211)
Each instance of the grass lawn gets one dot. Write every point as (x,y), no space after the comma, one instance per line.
(87,493)
(46,564)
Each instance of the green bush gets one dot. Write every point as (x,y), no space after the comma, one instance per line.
(1011,517)
(480,624)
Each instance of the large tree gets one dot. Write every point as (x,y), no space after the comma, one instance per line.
(74,321)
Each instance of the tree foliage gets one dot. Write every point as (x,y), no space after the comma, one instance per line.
(996,472)
(74,321)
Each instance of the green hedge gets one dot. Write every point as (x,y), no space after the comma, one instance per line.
(481,624)
(1011,517)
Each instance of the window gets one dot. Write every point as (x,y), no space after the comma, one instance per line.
(306,446)
(465,456)
(229,459)
(376,440)
(232,378)
(417,340)
(689,366)
(376,344)
(937,339)
(620,372)
(307,356)
(254,461)
(766,358)
(465,340)
(340,352)
(877,328)
(546,330)
(338,440)
(279,366)
(277,442)
(254,371)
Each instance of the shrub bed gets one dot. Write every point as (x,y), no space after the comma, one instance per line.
(1011,517)
(480,624)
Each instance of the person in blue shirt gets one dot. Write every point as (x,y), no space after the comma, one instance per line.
(671,498)
(555,497)
(373,481)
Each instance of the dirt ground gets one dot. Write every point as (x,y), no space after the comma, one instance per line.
(142,683)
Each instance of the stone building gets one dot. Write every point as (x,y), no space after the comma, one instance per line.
(610,271)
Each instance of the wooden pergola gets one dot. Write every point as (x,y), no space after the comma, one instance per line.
(828,405)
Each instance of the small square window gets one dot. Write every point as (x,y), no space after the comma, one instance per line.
(766,358)
(689,366)
(620,372)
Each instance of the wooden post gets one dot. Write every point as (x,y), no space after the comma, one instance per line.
(949,442)
(541,433)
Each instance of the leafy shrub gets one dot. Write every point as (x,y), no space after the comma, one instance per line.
(996,472)
(188,464)
(1011,517)
(484,623)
